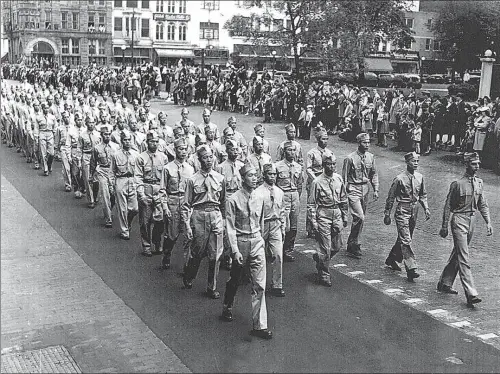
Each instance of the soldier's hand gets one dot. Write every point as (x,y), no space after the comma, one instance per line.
(189,233)
(387,219)
(443,232)
(315,227)
(427,214)
(375,195)
(238,258)
(167,213)
(345,223)
(489,229)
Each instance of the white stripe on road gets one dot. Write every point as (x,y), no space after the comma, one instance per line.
(437,311)
(393,290)
(354,273)
(339,265)
(487,336)
(373,281)
(413,301)
(460,324)
(309,251)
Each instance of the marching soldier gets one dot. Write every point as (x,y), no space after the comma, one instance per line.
(327,208)
(273,231)
(314,168)
(245,223)
(165,132)
(260,131)
(88,140)
(186,124)
(408,189)
(464,199)
(173,188)
(137,137)
(100,166)
(206,197)
(206,122)
(359,170)
(290,179)
(64,151)
(73,143)
(123,169)
(116,133)
(150,166)
(215,146)
(46,125)
(290,135)
(259,158)
(238,137)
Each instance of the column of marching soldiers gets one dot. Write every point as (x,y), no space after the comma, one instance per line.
(225,198)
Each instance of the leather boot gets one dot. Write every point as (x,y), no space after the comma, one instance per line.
(50,160)
(168,245)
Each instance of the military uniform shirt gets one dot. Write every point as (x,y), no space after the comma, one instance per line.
(407,188)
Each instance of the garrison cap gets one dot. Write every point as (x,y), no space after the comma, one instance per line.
(231,119)
(246,168)
(328,156)
(200,138)
(290,127)
(185,110)
(411,156)
(258,139)
(471,157)
(202,149)
(113,94)
(106,128)
(141,110)
(289,144)
(178,129)
(125,134)
(269,168)
(258,126)
(206,111)
(363,137)
(231,144)
(228,130)
(180,142)
(321,133)
(152,135)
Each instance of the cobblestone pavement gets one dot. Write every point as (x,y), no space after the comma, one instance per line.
(439,170)
(51,297)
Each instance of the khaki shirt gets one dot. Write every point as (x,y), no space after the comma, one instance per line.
(314,162)
(231,172)
(280,153)
(407,188)
(274,208)
(289,176)
(360,169)
(149,169)
(123,163)
(327,192)
(258,161)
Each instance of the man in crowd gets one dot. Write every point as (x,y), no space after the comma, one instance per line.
(64,150)
(46,126)
(258,158)
(87,141)
(290,135)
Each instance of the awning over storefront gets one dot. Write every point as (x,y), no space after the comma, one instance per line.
(378,64)
(186,53)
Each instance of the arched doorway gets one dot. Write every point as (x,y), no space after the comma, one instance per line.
(43,51)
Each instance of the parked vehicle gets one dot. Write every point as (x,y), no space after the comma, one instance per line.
(436,78)
(411,80)
(368,79)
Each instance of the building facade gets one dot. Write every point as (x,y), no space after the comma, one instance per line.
(69,32)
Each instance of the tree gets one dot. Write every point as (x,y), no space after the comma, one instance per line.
(466,29)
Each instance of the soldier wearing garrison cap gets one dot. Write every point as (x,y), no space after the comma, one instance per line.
(273,231)
(173,188)
(75,150)
(260,131)
(358,172)
(238,136)
(46,125)
(88,140)
(258,158)
(327,209)
(203,211)
(150,164)
(314,167)
(290,135)
(206,122)
(465,198)
(64,151)
(247,247)
(408,190)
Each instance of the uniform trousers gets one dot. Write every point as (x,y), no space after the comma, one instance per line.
(102,175)
(358,198)
(173,227)
(251,248)
(462,228)
(207,227)
(309,181)
(273,239)
(88,180)
(46,142)
(291,203)
(150,218)
(77,171)
(66,166)
(227,247)
(126,201)
(329,238)
(405,217)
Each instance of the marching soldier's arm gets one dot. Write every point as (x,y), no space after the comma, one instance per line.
(391,197)
(186,203)
(300,182)
(163,188)
(374,177)
(93,160)
(80,144)
(68,140)
(231,226)
(222,205)
(139,177)
(482,206)
(57,139)
(279,153)
(343,202)
(300,157)
(346,168)
(112,176)
(447,205)
(311,203)
(423,196)
(309,164)
(283,217)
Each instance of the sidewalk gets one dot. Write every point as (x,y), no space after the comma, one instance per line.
(57,314)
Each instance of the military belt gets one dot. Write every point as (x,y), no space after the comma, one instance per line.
(207,207)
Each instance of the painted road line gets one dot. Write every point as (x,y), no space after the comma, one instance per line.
(393,290)
(460,324)
(435,312)
(357,272)
(487,336)
(413,301)
(339,265)
(309,251)
(373,281)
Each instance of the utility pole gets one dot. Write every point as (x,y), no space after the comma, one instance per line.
(133,28)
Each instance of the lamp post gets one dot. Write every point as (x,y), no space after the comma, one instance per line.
(274,61)
(123,47)
(422,68)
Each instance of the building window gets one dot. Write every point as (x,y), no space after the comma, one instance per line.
(118,3)
(211,4)
(384,45)
(429,23)
(408,45)
(145,28)
(182,32)
(91,19)
(159,31)
(64,20)
(91,2)
(65,46)
(159,6)
(101,2)
(118,24)
(182,6)
(48,20)
(145,4)
(437,45)
(75,46)
(409,22)
(102,19)
(170,6)
(70,60)
(92,46)
(428,44)
(170,31)
(131,3)
(209,30)
(74,22)
(277,24)
(102,45)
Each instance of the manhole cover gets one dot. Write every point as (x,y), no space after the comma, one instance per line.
(47,360)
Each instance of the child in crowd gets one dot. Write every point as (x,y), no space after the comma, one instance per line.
(417,137)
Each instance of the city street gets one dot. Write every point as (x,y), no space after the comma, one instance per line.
(371,320)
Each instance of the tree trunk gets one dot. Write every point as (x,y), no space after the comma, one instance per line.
(297,61)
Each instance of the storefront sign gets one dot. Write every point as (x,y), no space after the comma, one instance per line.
(171,17)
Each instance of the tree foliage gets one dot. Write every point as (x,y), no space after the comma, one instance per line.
(466,29)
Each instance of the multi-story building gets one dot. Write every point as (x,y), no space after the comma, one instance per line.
(69,32)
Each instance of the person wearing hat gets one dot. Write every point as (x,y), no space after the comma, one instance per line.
(260,131)
(314,168)
(193,159)
(45,126)
(162,145)
(290,135)
(188,125)
(203,212)
(244,224)
(138,138)
(142,121)
(240,139)
(200,129)
(172,190)
(465,198)
(113,104)
(273,231)
(482,124)
(88,140)
(123,169)
(165,131)
(408,190)
(100,168)
(290,179)
(65,152)
(229,168)
(147,108)
(217,149)
(358,171)
(327,210)
(75,151)
(149,171)
(258,158)
(116,133)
